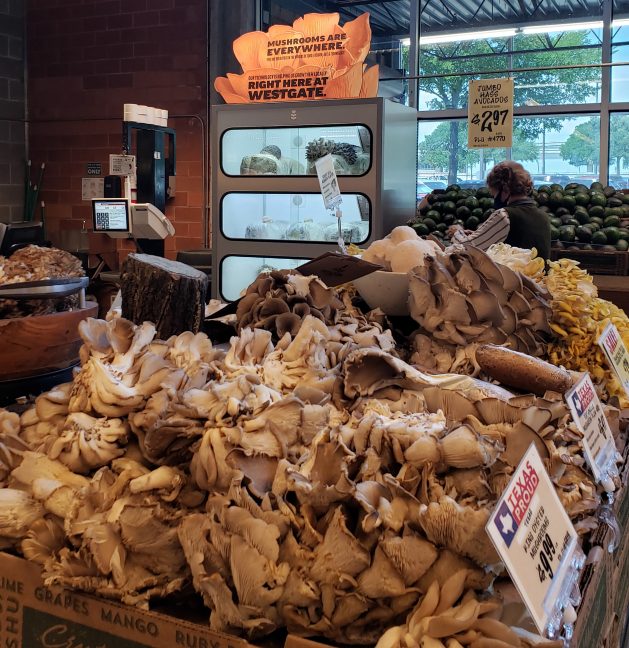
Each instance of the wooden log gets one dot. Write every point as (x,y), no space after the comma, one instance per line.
(168,293)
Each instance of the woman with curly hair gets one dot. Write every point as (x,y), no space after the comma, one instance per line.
(517,220)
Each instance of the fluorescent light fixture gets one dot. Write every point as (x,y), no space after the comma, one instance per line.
(562,27)
(466,36)
(507,33)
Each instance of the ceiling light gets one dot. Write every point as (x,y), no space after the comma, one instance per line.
(466,36)
(562,27)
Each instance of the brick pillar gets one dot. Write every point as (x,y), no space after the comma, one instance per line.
(12,110)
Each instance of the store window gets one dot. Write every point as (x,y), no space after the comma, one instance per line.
(620,52)
(533,41)
(619,150)
(559,149)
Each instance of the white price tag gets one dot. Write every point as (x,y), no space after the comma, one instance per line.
(328,182)
(616,352)
(122,165)
(587,412)
(534,537)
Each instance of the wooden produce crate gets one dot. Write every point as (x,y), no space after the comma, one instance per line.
(596,261)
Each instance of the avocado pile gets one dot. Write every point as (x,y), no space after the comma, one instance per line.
(453,206)
(583,218)
(586,218)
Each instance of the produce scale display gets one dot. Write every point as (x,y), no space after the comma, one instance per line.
(594,218)
(330,471)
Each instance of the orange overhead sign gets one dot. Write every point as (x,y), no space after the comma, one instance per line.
(315,58)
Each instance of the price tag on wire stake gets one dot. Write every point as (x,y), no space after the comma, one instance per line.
(490,113)
(616,352)
(588,414)
(328,182)
(536,541)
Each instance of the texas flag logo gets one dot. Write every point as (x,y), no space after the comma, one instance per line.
(506,524)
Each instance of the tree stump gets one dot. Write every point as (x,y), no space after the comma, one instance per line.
(168,293)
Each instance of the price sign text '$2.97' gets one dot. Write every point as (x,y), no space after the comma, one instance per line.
(490,113)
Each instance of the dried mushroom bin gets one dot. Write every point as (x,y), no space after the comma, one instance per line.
(267,210)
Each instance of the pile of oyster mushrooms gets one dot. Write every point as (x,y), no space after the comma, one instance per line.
(463,298)
(312,480)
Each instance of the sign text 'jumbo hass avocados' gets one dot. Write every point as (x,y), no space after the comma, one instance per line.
(490,113)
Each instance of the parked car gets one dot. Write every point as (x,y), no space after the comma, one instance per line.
(422,190)
(552,178)
(618,182)
(471,184)
(435,184)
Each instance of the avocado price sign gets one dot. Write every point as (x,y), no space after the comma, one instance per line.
(490,113)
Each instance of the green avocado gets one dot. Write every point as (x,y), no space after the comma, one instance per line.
(472,222)
(556,222)
(569,202)
(433,215)
(430,224)
(582,198)
(612,234)
(449,207)
(463,212)
(421,229)
(471,203)
(599,238)
(612,221)
(555,199)
(567,233)
(614,202)
(554,233)
(609,191)
(584,234)
(598,199)
(596,211)
(453,187)
(596,186)
(556,187)
(622,245)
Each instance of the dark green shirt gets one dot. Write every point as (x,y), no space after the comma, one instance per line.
(529,227)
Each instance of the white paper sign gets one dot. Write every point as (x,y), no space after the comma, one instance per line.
(534,537)
(587,412)
(616,352)
(122,165)
(92,188)
(328,182)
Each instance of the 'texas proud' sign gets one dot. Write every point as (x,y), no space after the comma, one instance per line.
(315,58)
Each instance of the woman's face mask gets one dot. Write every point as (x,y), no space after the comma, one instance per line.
(499,202)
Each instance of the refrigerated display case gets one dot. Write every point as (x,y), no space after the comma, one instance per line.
(267,211)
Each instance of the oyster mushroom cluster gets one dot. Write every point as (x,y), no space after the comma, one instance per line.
(464,298)
(280,300)
(314,482)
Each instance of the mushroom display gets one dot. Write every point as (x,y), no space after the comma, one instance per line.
(464,298)
(303,478)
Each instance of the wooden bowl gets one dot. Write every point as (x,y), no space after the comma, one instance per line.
(385,290)
(30,346)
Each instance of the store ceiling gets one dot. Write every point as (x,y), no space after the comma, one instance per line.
(392,17)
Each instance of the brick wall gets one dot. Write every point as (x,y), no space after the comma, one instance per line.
(12,105)
(86,58)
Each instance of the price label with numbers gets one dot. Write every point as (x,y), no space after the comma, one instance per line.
(534,537)
(587,412)
(490,113)
(616,352)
